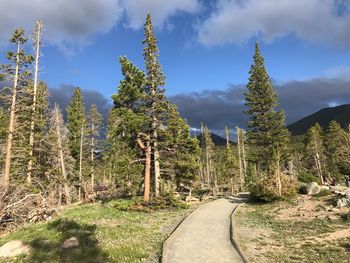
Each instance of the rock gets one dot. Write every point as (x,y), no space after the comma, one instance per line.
(14,248)
(310,188)
(342,202)
(71,242)
(324,187)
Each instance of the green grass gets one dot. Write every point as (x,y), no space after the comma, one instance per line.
(105,234)
(292,241)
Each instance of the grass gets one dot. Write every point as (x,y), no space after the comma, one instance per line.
(105,233)
(289,240)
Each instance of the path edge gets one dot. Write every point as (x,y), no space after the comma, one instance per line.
(161,259)
(233,237)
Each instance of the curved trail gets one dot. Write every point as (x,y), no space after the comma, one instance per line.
(204,236)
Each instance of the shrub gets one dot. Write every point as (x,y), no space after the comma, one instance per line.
(307,177)
(267,190)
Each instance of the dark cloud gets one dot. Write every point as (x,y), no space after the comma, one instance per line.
(63,94)
(220,108)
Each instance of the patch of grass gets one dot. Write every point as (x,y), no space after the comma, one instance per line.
(289,240)
(107,232)
(322,193)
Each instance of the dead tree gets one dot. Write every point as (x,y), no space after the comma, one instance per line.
(37,45)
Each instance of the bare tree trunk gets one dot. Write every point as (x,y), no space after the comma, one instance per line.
(63,166)
(278,175)
(6,176)
(243,157)
(239,148)
(156,164)
(37,44)
(92,158)
(318,167)
(147,182)
(81,162)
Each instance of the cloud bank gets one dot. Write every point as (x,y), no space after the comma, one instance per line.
(63,95)
(71,24)
(236,21)
(220,108)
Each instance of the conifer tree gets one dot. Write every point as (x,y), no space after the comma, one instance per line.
(266,126)
(128,127)
(314,147)
(208,159)
(156,100)
(76,124)
(335,138)
(95,122)
(180,151)
(61,163)
(17,73)
(231,166)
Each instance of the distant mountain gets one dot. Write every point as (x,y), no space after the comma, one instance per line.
(341,114)
(217,140)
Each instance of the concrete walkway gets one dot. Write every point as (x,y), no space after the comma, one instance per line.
(203,237)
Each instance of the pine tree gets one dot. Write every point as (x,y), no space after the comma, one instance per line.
(343,158)
(15,72)
(128,126)
(95,122)
(76,124)
(157,104)
(266,127)
(334,139)
(180,152)
(208,159)
(314,148)
(231,172)
(61,163)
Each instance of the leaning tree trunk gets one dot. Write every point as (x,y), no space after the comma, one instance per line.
(6,175)
(38,29)
(63,167)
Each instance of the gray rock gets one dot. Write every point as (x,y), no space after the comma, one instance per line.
(310,188)
(342,202)
(71,242)
(14,248)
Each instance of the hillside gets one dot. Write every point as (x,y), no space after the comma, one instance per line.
(341,114)
(217,140)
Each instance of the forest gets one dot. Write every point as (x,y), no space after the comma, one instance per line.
(144,151)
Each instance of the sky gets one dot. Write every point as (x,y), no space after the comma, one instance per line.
(206,49)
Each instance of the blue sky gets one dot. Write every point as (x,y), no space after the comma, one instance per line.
(206,48)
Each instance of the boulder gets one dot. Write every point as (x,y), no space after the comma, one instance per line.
(71,242)
(310,189)
(14,248)
(342,202)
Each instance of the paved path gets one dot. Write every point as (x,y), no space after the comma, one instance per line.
(204,236)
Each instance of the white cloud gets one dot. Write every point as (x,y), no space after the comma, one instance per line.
(71,24)
(161,10)
(342,72)
(68,23)
(236,21)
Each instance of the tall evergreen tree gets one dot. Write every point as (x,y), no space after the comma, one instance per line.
(128,124)
(314,148)
(335,138)
(61,163)
(76,124)
(16,72)
(156,100)
(266,126)
(94,122)
(180,151)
